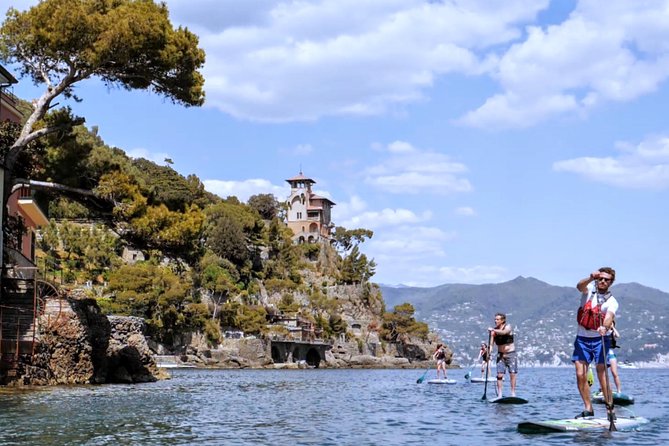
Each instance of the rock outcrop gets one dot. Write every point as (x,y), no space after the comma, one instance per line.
(76,344)
(360,306)
(256,353)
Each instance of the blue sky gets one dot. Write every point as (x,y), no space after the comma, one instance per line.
(479,140)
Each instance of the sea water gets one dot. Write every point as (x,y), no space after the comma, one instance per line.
(319,407)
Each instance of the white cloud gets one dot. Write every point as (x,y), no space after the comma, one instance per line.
(296,60)
(401,147)
(211,16)
(510,110)
(597,55)
(409,171)
(428,273)
(408,243)
(347,210)
(156,157)
(465,211)
(473,274)
(645,166)
(272,60)
(245,189)
(385,217)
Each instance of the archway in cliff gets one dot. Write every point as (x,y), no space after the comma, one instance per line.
(276,355)
(313,358)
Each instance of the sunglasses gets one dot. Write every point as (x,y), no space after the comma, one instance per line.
(605,279)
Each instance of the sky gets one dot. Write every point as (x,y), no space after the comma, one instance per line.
(480,140)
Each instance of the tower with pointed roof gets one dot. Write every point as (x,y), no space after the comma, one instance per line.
(309,215)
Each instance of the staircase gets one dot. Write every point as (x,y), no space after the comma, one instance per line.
(18,324)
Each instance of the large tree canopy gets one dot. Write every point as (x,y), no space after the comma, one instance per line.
(126,43)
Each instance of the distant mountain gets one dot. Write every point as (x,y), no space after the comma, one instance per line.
(543,315)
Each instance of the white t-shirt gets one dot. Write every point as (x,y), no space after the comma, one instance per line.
(609,305)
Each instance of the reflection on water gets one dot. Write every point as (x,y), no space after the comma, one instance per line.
(316,407)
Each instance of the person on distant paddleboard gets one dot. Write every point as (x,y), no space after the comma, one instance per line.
(484,357)
(502,335)
(595,317)
(440,355)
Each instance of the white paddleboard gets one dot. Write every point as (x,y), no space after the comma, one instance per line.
(482,380)
(579,424)
(442,381)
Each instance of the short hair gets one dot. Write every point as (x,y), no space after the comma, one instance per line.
(609,270)
(502,315)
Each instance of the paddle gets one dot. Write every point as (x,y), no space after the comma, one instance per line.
(422,378)
(487,367)
(609,396)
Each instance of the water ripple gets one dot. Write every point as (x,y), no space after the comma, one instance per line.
(315,407)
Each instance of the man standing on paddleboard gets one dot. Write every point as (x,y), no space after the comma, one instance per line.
(506,352)
(595,318)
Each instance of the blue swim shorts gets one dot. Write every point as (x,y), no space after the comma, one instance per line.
(590,349)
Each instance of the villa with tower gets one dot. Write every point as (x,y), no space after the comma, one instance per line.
(309,215)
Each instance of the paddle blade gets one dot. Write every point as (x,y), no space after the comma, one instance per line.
(468,375)
(612,418)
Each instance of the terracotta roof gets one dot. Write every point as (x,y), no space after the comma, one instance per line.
(318,197)
(300,177)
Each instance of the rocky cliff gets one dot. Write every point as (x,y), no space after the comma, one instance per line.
(360,306)
(76,344)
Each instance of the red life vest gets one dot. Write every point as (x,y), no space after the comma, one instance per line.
(590,317)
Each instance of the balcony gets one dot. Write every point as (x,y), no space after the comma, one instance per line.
(29,208)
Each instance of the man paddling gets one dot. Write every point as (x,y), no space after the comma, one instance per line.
(595,318)
(506,352)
